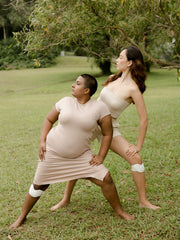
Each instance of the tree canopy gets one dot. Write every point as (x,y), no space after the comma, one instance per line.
(103,27)
(13,16)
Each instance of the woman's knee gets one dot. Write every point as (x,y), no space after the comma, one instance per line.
(137,165)
(37,190)
(136,159)
(41,187)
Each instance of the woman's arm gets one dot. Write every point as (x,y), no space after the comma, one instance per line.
(48,122)
(141,109)
(106,129)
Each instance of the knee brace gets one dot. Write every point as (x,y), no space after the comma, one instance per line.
(137,168)
(33,192)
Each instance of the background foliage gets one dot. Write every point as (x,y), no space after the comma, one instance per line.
(93,28)
(14,16)
(103,27)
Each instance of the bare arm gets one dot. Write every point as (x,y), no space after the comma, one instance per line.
(48,122)
(106,128)
(141,109)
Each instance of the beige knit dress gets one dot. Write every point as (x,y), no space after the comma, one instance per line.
(68,150)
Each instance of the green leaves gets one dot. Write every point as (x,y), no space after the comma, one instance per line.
(103,27)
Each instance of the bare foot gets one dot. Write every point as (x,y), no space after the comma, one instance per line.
(148,205)
(61,204)
(125,216)
(17,223)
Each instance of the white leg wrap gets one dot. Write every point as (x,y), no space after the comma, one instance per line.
(137,168)
(33,192)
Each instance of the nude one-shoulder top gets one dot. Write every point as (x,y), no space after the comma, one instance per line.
(115,103)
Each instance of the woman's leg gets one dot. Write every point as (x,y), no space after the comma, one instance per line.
(120,145)
(109,190)
(32,197)
(67,195)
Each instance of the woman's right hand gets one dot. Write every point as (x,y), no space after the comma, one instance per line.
(132,150)
(48,122)
(42,150)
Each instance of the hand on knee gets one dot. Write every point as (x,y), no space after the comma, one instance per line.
(137,159)
(137,165)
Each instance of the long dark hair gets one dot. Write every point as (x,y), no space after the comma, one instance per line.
(137,68)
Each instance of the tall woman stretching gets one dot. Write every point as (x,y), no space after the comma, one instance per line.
(120,90)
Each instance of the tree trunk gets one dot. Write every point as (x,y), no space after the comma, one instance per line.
(105,67)
(4,32)
(147,65)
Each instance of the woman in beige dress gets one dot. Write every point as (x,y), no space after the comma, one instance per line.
(120,90)
(64,151)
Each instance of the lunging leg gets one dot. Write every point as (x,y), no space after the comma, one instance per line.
(67,195)
(32,197)
(109,190)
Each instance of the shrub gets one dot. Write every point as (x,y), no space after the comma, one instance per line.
(13,56)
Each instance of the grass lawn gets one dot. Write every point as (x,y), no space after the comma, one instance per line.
(26,96)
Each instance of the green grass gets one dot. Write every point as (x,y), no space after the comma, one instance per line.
(26,96)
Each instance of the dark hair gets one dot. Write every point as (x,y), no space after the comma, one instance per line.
(137,68)
(90,82)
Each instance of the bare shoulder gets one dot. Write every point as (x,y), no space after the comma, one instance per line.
(136,94)
(134,89)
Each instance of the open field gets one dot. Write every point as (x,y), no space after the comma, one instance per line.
(26,96)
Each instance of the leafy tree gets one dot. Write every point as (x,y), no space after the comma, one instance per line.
(14,15)
(103,27)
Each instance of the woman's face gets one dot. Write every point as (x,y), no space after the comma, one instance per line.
(78,88)
(122,62)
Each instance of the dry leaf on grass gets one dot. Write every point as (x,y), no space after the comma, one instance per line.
(9,237)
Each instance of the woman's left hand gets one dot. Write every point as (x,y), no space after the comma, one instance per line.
(132,150)
(96,160)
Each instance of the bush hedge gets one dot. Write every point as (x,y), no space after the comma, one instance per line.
(13,56)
